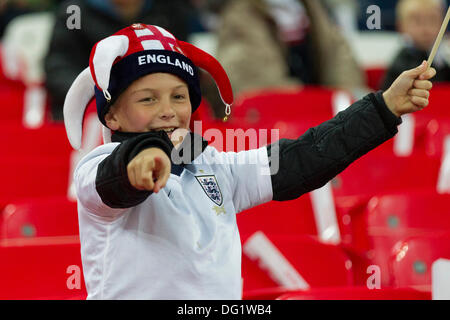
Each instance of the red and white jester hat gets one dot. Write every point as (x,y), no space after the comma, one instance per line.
(127,55)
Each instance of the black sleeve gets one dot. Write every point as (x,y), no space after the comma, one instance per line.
(324,151)
(112,182)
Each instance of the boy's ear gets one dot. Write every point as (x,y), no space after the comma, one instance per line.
(111,119)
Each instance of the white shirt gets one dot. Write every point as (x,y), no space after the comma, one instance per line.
(181,243)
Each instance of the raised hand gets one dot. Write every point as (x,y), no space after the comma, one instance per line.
(410,91)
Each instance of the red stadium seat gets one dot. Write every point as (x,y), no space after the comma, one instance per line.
(409,212)
(317,263)
(374,77)
(39,217)
(438,106)
(383,173)
(387,219)
(39,162)
(357,293)
(359,262)
(399,215)
(307,100)
(12,98)
(24,177)
(290,112)
(293,217)
(438,130)
(413,258)
(49,140)
(41,268)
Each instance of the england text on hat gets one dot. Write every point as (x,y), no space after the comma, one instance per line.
(161,58)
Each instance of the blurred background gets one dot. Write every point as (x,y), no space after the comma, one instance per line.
(383,224)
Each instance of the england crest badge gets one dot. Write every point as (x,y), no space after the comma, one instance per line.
(211,188)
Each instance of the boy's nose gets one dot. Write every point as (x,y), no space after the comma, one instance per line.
(167,112)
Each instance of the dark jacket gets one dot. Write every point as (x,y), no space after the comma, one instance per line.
(409,58)
(305,164)
(69,50)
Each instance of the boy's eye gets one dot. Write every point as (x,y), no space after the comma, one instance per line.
(147,99)
(180,96)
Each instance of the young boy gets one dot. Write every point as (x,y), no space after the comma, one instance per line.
(154,229)
(419,22)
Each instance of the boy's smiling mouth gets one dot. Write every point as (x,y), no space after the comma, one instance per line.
(168,130)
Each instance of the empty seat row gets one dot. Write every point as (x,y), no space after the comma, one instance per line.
(41,268)
(39,217)
(414,237)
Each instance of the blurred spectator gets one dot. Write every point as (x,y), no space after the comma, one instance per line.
(279,43)
(206,19)
(345,13)
(419,21)
(9,9)
(70,49)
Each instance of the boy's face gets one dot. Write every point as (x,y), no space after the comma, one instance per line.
(421,20)
(158,101)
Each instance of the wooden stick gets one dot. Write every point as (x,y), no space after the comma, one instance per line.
(439,38)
